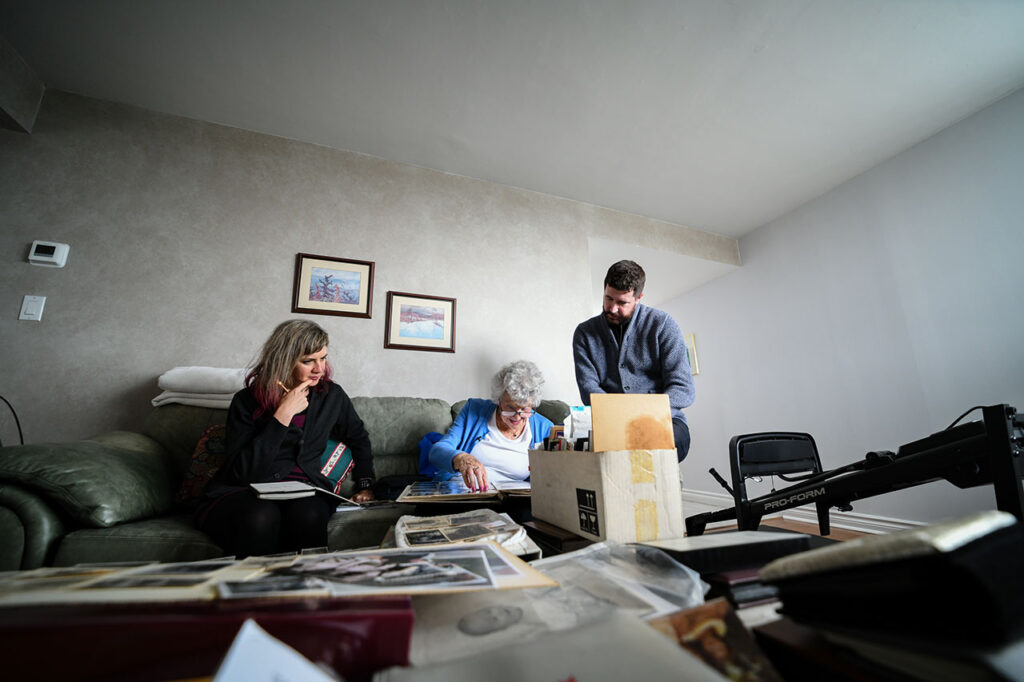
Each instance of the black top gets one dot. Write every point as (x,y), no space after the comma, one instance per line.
(263,450)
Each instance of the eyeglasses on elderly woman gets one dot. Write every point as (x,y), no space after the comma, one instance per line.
(510,409)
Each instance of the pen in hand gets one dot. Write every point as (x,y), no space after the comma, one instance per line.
(286,389)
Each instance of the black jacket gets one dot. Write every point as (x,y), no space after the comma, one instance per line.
(262,450)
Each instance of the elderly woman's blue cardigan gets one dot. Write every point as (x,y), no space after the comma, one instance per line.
(469,428)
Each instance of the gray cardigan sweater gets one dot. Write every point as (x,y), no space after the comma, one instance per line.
(652,358)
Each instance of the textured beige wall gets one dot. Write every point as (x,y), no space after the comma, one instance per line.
(183,238)
(21,91)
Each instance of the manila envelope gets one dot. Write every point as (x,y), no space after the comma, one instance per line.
(631,421)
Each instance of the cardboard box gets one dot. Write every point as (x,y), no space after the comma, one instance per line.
(620,495)
(628,421)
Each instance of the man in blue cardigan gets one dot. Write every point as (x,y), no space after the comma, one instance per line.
(631,348)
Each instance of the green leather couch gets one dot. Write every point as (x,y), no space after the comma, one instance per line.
(112,497)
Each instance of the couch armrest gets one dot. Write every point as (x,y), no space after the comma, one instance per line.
(93,482)
(29,529)
(555,410)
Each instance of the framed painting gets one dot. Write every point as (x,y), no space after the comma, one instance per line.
(332,286)
(418,322)
(691,353)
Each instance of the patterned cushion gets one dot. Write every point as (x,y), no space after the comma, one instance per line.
(206,459)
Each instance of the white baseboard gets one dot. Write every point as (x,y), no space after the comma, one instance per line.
(700,501)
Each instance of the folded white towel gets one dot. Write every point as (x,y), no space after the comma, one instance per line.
(202,380)
(219,400)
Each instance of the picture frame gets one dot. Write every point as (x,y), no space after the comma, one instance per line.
(325,285)
(420,322)
(691,354)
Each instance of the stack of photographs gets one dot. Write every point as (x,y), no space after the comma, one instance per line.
(120,582)
(594,583)
(447,568)
(450,568)
(415,531)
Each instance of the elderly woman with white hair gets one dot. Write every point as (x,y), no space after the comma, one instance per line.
(491,439)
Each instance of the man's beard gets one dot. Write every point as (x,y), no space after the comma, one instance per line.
(611,319)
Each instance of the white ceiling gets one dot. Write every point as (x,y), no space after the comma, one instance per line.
(717,115)
(668,274)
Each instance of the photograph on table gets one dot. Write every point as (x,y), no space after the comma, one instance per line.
(186,568)
(146,581)
(63,575)
(131,582)
(443,491)
(470,526)
(158,575)
(643,580)
(714,633)
(591,585)
(449,627)
(274,586)
(395,570)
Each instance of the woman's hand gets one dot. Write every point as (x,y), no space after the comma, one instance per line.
(292,403)
(364,495)
(474,474)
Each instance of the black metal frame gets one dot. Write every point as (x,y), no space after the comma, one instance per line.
(984,452)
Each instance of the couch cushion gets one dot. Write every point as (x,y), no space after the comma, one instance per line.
(396,425)
(207,458)
(175,538)
(179,427)
(93,483)
(170,538)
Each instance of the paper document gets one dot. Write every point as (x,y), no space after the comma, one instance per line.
(255,656)
(617,647)
(512,486)
(290,490)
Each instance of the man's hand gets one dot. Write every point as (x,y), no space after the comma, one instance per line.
(474,474)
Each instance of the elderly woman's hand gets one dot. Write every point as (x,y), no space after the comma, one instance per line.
(474,474)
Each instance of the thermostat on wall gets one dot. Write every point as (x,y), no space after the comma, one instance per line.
(50,254)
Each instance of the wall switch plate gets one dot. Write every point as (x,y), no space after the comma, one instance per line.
(32,308)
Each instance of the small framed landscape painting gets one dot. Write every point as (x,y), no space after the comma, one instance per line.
(332,286)
(691,353)
(418,322)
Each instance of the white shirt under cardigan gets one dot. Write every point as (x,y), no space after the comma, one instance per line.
(506,459)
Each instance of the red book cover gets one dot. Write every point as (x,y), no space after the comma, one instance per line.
(354,636)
